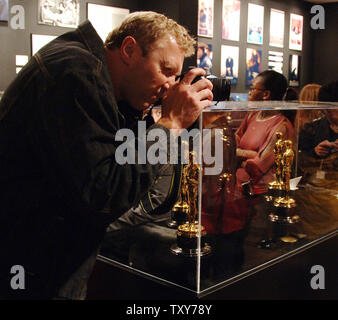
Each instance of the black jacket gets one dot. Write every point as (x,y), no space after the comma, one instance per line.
(314,133)
(60,185)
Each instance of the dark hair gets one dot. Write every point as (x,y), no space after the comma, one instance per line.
(329,92)
(275,82)
(290,94)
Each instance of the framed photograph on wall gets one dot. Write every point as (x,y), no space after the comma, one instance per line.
(105,18)
(277,18)
(229,63)
(4,10)
(204,57)
(20,61)
(231,19)
(61,13)
(253,64)
(276,61)
(39,41)
(296,32)
(255,23)
(294,70)
(205,18)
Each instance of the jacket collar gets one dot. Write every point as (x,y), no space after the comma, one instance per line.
(91,39)
(95,45)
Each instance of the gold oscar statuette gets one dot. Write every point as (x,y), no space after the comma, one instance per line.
(285,203)
(278,151)
(275,187)
(287,160)
(188,233)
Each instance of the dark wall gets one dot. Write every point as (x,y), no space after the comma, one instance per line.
(319,46)
(183,11)
(325,47)
(18,42)
(288,6)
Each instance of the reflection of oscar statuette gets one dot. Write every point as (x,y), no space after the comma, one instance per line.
(180,211)
(188,233)
(285,203)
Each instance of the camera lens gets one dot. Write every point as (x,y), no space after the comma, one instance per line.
(221,88)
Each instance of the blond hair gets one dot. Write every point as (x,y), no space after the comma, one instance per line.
(309,92)
(147,27)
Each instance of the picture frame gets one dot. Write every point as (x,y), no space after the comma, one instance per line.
(204,57)
(105,18)
(253,64)
(20,61)
(231,19)
(229,63)
(296,32)
(4,10)
(275,61)
(255,23)
(277,18)
(40,40)
(60,13)
(294,70)
(205,18)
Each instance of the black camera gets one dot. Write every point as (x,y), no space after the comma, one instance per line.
(221,86)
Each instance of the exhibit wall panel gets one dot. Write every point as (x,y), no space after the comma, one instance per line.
(317,55)
(18,41)
(288,6)
(325,62)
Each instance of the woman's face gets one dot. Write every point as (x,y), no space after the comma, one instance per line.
(257,91)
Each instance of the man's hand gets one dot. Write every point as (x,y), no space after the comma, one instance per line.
(323,148)
(184,101)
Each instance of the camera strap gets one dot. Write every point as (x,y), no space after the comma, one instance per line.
(171,198)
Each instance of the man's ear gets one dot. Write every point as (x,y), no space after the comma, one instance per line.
(128,49)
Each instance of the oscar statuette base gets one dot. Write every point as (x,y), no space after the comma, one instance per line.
(275,190)
(187,241)
(179,216)
(284,215)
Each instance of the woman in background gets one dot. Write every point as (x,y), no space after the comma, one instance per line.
(308,93)
(318,163)
(256,136)
(319,138)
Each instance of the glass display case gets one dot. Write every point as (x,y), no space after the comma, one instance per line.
(259,184)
